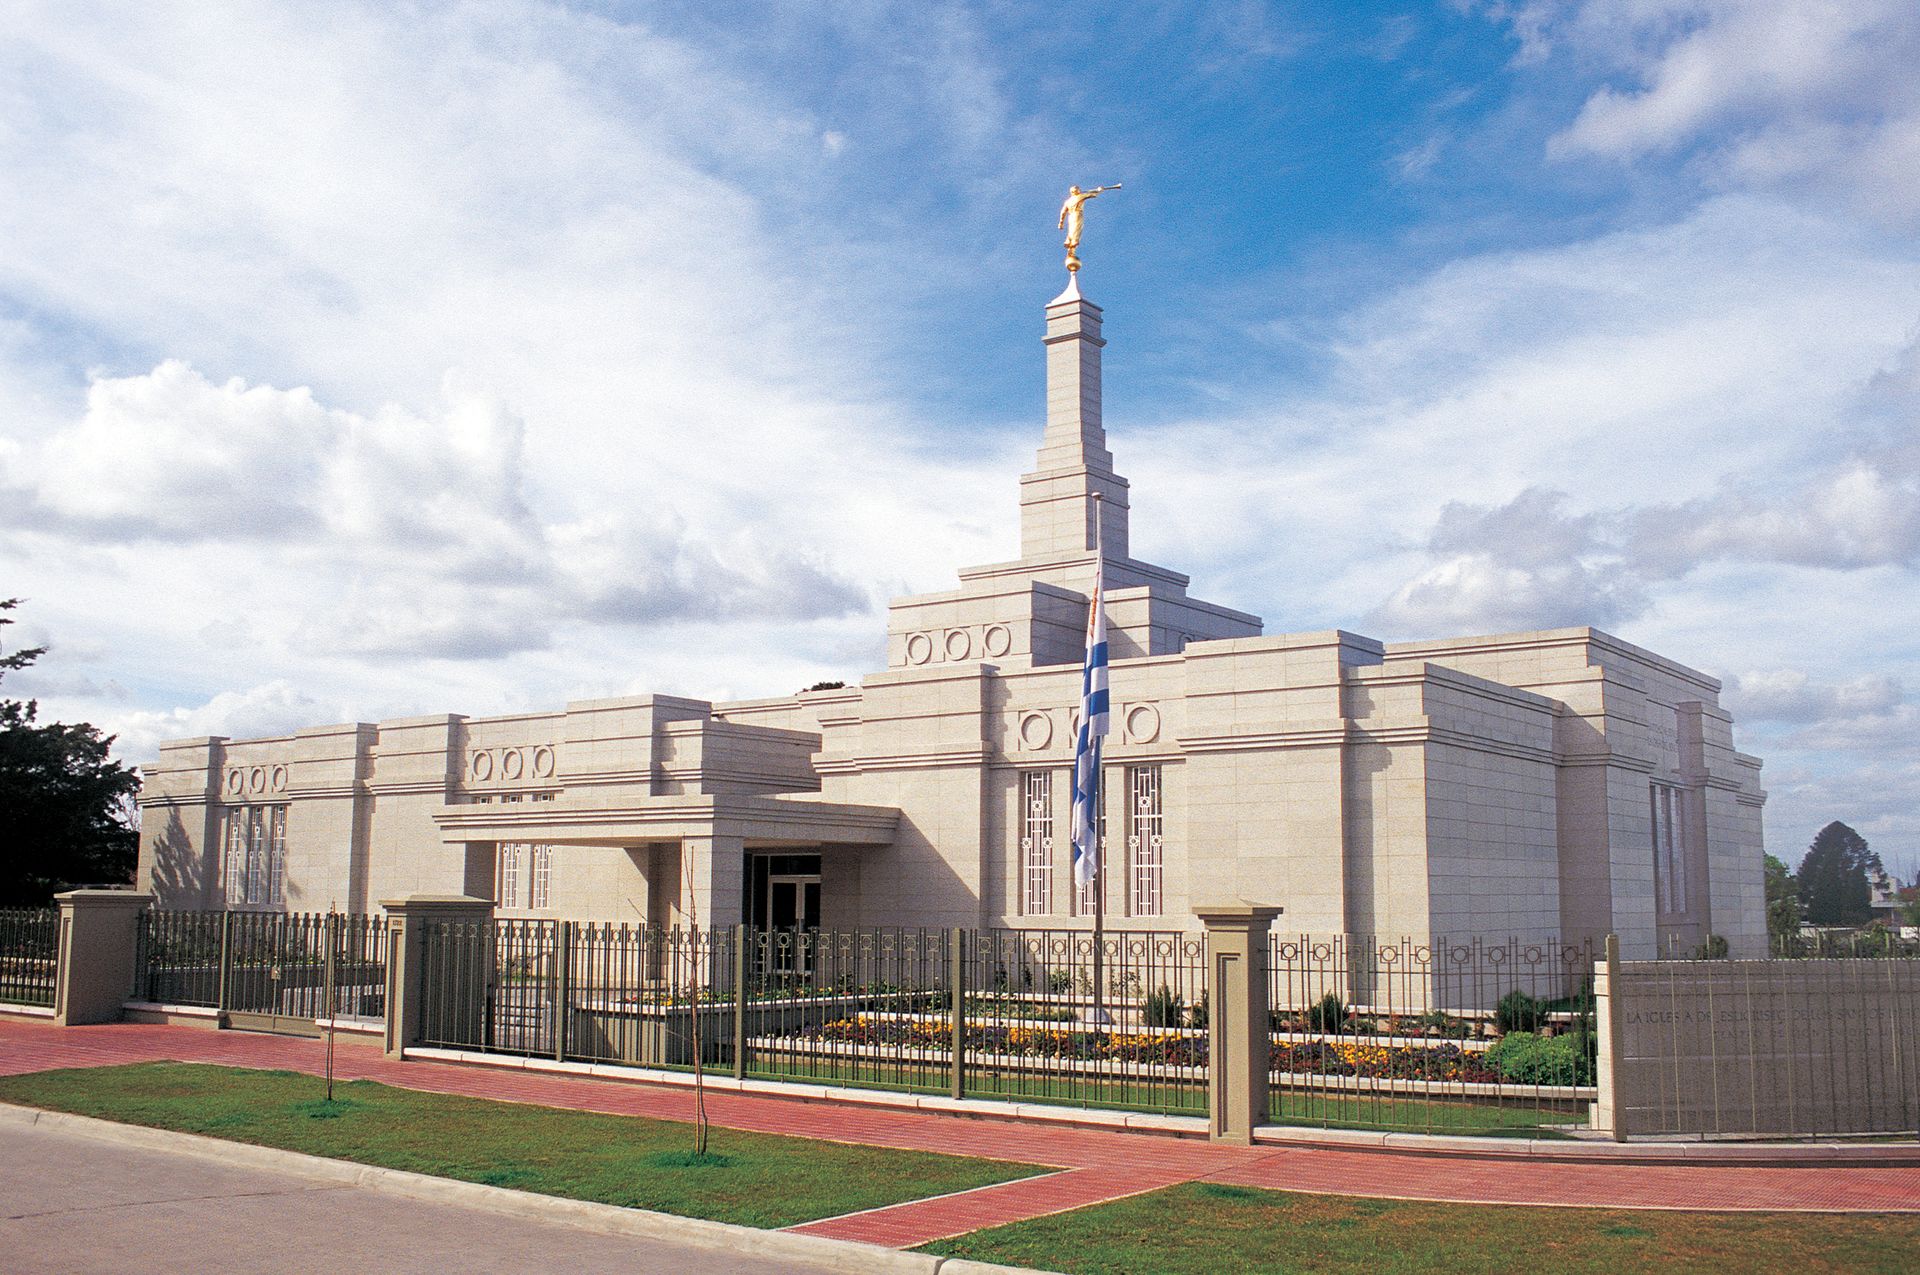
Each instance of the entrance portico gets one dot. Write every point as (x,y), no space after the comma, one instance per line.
(740,854)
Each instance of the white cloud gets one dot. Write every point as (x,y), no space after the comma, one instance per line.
(1771,93)
(1790,695)
(411,536)
(272,708)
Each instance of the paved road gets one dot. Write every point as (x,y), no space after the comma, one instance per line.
(71,1204)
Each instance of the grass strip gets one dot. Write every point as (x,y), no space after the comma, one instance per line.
(754,1179)
(1207,1228)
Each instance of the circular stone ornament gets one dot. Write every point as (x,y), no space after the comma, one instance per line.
(1036,731)
(1143,724)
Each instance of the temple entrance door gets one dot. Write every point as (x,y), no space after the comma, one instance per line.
(793,902)
(790,919)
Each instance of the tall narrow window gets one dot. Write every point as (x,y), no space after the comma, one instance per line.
(507,876)
(1670,846)
(1146,843)
(542,875)
(1036,842)
(256,856)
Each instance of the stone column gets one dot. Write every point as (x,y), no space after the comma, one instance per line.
(99,934)
(718,873)
(407,920)
(1237,1033)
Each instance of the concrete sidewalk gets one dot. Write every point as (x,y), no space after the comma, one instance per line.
(1099,1164)
(74,1204)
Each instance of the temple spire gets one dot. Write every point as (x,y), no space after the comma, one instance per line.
(1057,505)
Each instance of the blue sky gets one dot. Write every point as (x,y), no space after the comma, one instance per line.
(395,358)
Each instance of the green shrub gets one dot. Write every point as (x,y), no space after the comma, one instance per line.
(1714,949)
(1162,1008)
(1329,1015)
(1441,1023)
(1527,1059)
(1197,1016)
(1517,1012)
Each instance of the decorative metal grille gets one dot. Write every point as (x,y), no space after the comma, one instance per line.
(1036,842)
(507,877)
(1146,845)
(542,874)
(256,855)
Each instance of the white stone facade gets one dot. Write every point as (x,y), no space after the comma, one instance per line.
(1531,785)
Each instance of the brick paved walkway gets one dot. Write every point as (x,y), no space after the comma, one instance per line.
(1093,1164)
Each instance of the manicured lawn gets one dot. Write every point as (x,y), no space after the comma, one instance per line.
(750,1178)
(1203,1228)
(1514,1119)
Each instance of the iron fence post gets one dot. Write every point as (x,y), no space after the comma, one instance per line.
(957,990)
(223,994)
(332,970)
(740,958)
(562,988)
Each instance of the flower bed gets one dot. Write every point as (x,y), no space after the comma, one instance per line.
(1387,1062)
(1444,1062)
(1170,1048)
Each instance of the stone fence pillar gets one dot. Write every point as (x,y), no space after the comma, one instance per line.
(407,920)
(1609,1043)
(99,933)
(1237,1033)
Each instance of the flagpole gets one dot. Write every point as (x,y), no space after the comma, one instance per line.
(1099,798)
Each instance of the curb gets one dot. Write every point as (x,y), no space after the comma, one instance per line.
(839,1255)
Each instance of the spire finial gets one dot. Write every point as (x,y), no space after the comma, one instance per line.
(1073,220)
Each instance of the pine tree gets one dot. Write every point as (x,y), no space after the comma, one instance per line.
(1833,877)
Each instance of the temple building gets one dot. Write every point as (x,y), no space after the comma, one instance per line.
(1556,784)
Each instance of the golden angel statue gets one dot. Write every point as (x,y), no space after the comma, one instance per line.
(1073,220)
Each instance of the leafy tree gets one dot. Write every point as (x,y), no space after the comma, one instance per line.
(1833,877)
(65,804)
(1910,905)
(1783,899)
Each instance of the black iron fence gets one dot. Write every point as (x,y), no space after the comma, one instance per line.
(1056,1016)
(1449,1036)
(296,965)
(1046,1016)
(179,956)
(29,955)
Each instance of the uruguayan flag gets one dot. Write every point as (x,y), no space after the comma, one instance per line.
(1086,748)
